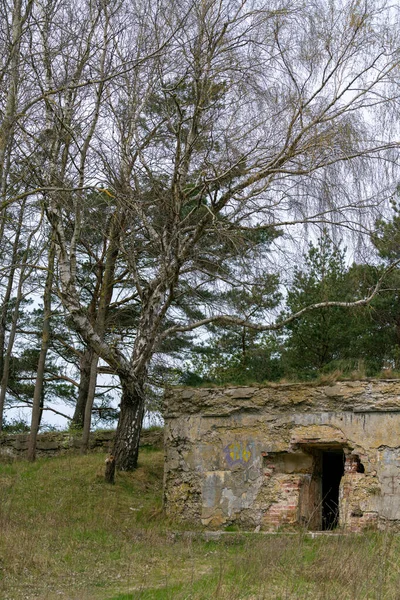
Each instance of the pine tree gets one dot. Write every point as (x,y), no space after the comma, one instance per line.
(324,337)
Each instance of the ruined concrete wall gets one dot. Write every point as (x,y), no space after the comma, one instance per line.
(251,455)
(54,443)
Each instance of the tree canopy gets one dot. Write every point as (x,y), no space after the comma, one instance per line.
(159,160)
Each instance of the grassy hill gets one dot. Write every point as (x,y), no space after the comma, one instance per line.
(66,534)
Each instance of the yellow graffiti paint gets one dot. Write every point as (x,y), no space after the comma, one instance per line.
(239,452)
(246,454)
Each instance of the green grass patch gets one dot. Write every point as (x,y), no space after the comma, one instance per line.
(65,533)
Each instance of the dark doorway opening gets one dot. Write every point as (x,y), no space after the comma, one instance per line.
(332,472)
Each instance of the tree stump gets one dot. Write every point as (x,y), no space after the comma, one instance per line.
(109,474)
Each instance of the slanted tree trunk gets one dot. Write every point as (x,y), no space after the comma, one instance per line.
(38,395)
(83,391)
(126,444)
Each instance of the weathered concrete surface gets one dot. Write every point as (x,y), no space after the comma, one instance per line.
(253,455)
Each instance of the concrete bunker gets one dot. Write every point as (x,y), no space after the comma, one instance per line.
(285,456)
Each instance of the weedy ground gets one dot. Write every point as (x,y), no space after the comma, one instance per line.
(66,534)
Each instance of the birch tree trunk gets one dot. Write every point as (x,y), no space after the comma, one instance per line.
(46,333)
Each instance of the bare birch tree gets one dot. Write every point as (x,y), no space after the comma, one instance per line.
(208,126)
(239,127)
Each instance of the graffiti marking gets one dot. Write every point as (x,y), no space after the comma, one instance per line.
(237,453)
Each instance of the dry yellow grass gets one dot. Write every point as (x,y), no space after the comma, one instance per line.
(65,534)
